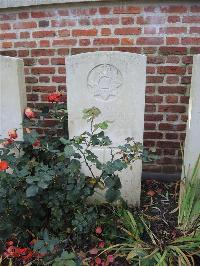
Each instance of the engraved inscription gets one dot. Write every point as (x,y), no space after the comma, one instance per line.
(104,82)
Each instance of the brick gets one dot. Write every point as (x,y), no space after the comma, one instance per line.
(127,41)
(84,22)
(24,35)
(7,16)
(44,89)
(105,21)
(187,60)
(43,34)
(194,30)
(42,52)
(149,30)
(31,44)
(58,61)
(59,79)
(63,23)
(127,20)
(105,31)
(44,79)
(173,19)
(190,40)
(173,9)
(186,80)
(31,80)
(25,25)
(149,126)
(171,136)
(150,40)
(172,40)
(23,53)
(106,41)
(29,61)
(172,79)
(154,99)
(127,31)
(184,118)
(65,42)
(195,8)
(169,152)
(150,89)
(171,99)
(83,32)
(168,144)
(83,11)
(43,23)
(44,43)
(173,30)
(194,50)
(104,10)
(172,117)
(61,70)
(178,70)
(32,97)
(172,108)
(184,99)
(191,19)
(43,70)
(154,79)
(150,70)
(149,143)
(4,36)
(63,51)
(172,89)
(127,10)
(153,135)
(149,50)
(152,59)
(64,33)
(128,49)
(23,15)
(172,50)
(6,45)
(150,108)
(5,26)
(42,14)
(63,12)
(84,42)
(173,59)
(151,20)
(43,61)
(153,117)
(172,127)
(82,50)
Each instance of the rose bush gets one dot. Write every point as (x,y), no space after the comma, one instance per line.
(45,189)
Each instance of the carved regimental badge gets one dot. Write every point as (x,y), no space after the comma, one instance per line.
(104,82)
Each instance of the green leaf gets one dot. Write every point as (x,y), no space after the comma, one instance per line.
(69,151)
(112,194)
(32,191)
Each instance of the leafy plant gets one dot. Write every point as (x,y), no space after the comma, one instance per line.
(45,189)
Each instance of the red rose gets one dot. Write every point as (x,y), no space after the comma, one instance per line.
(98,261)
(12,133)
(29,113)
(54,97)
(101,244)
(36,144)
(98,230)
(3,165)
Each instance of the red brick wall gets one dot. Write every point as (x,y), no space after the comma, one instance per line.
(167,33)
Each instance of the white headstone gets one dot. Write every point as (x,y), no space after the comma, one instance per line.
(12,95)
(115,83)
(192,142)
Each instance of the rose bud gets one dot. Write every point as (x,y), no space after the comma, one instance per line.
(12,133)
(29,113)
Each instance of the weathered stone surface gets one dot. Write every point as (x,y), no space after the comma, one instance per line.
(115,83)
(192,143)
(12,95)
